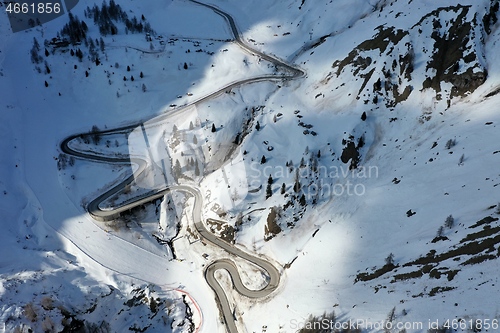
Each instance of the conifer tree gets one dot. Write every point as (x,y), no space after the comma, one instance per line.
(177,169)
(101,44)
(448,223)
(269,191)
(296,185)
(196,168)
(302,200)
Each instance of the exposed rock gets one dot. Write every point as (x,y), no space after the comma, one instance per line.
(491,17)
(455,59)
(387,41)
(451,43)
(350,153)
(272,228)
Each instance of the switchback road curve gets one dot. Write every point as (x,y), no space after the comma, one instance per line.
(290,72)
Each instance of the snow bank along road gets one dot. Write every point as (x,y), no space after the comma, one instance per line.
(225,264)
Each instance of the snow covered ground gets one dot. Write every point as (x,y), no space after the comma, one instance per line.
(61,266)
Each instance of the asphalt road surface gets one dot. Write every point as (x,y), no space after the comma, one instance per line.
(272,273)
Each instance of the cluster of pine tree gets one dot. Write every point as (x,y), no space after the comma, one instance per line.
(93,51)
(75,29)
(193,163)
(63,161)
(78,53)
(190,165)
(103,17)
(35,57)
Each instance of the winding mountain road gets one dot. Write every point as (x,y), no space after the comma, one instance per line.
(273,274)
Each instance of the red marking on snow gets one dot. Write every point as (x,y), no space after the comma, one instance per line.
(195,304)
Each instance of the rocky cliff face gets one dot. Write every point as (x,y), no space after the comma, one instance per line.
(457,56)
(443,51)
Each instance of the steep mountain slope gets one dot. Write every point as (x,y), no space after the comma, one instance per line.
(420,82)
